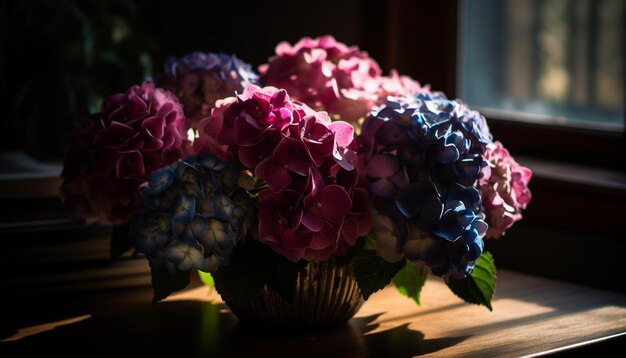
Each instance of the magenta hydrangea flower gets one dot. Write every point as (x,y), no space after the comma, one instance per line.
(117,149)
(200,79)
(313,206)
(328,75)
(504,190)
(206,141)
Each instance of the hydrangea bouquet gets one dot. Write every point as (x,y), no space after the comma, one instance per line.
(320,158)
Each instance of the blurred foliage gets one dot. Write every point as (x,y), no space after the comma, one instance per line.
(58,59)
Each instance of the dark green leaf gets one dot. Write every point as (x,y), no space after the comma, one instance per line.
(409,281)
(165,283)
(372,272)
(250,268)
(480,285)
(120,241)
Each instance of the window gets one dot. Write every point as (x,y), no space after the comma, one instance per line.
(550,79)
(554,62)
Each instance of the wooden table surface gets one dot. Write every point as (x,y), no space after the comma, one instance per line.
(530,316)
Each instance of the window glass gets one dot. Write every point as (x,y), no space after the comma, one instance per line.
(549,61)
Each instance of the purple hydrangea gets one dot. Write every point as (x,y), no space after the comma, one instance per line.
(200,79)
(423,156)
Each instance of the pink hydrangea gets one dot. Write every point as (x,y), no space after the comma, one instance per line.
(106,160)
(396,85)
(504,190)
(312,206)
(328,75)
(206,141)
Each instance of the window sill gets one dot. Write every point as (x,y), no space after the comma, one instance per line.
(594,148)
(584,176)
(22,177)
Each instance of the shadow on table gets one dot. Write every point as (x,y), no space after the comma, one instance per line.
(196,328)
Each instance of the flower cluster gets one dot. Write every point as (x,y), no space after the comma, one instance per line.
(330,158)
(423,156)
(200,79)
(191,215)
(312,206)
(504,190)
(133,134)
(328,75)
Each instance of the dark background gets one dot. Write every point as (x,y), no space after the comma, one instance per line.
(58,59)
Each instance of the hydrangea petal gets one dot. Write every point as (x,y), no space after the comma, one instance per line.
(422,248)
(312,218)
(384,188)
(194,229)
(276,175)
(295,241)
(160,180)
(130,165)
(293,155)
(184,208)
(418,197)
(154,126)
(322,240)
(382,166)
(334,203)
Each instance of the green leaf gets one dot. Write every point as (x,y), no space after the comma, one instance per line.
(372,272)
(370,242)
(250,268)
(165,283)
(409,281)
(206,278)
(480,285)
(120,241)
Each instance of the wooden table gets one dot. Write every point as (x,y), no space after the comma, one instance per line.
(531,316)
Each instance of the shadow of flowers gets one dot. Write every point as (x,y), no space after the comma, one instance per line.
(197,328)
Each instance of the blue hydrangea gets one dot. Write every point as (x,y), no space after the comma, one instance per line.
(424,158)
(191,215)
